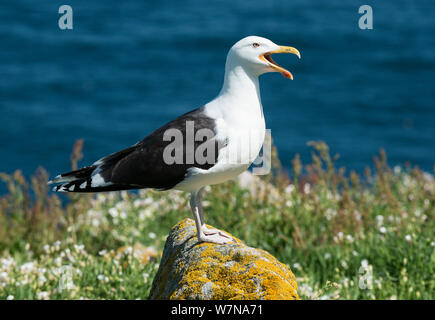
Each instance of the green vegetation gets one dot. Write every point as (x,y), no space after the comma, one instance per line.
(344,236)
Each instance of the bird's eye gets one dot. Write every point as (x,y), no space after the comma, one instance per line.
(255,44)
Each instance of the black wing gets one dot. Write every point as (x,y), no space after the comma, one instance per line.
(143,165)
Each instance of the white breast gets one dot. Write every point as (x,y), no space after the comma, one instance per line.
(243,128)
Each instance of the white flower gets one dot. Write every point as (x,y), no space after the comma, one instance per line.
(102,252)
(27,267)
(148,201)
(123,215)
(43,295)
(152,235)
(42,279)
(79,247)
(145,213)
(306,290)
(338,237)
(103,278)
(329,213)
(327,256)
(7,262)
(289,189)
(69,285)
(345,282)
(58,261)
(296,265)
(10,297)
(120,205)
(408,238)
(383,230)
(3,276)
(137,203)
(379,220)
(113,212)
(307,188)
(357,215)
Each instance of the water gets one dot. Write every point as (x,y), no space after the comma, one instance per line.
(129,66)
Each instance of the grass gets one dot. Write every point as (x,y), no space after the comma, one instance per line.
(344,236)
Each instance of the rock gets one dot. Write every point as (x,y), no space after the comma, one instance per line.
(192,270)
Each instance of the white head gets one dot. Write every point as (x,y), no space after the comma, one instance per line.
(254,55)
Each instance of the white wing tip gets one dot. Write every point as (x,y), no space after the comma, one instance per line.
(56,179)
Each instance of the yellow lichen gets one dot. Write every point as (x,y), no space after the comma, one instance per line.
(232,271)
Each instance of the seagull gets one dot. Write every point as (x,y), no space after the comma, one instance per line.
(206,146)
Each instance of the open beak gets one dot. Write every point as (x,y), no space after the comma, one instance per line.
(282,49)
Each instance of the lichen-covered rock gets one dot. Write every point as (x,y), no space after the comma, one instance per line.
(192,270)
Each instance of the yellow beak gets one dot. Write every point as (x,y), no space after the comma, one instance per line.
(282,49)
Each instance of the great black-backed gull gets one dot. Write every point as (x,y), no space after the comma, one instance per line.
(206,146)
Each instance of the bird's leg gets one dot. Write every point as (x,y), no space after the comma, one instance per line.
(205,234)
(206,230)
(201,212)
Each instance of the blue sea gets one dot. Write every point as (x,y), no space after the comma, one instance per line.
(128,67)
